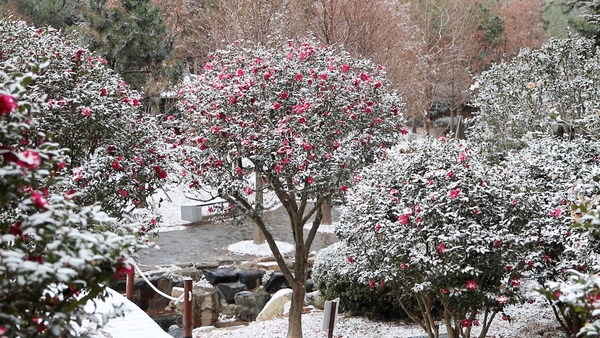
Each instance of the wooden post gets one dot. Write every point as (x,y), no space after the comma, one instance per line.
(129,285)
(332,319)
(187,308)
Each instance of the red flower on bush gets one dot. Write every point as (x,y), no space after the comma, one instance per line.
(454,193)
(465,322)
(123,193)
(471,285)
(29,159)
(7,104)
(116,165)
(502,299)
(39,199)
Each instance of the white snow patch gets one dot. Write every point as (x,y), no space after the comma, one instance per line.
(249,248)
(325,228)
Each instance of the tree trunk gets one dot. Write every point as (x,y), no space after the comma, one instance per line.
(298,291)
(327,218)
(258,237)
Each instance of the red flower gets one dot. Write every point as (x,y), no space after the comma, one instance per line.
(7,104)
(39,199)
(85,111)
(471,285)
(514,202)
(502,299)
(162,174)
(403,266)
(123,193)
(276,105)
(372,283)
(462,157)
(350,259)
(103,92)
(475,322)
(29,159)
(403,219)
(344,188)
(377,226)
(345,68)
(123,270)
(515,283)
(441,248)
(465,322)
(15,229)
(136,102)
(310,180)
(277,168)
(454,193)
(248,191)
(3,330)
(450,173)
(298,77)
(117,166)
(284,95)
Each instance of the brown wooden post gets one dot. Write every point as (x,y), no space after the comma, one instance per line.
(129,285)
(334,305)
(187,308)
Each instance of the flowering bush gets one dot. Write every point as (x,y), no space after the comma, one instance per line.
(557,83)
(50,264)
(304,117)
(115,155)
(437,224)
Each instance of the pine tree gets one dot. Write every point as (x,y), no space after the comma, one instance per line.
(131,36)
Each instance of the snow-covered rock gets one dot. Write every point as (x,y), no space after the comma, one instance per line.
(274,307)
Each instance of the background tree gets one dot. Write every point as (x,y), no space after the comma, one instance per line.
(131,36)
(304,117)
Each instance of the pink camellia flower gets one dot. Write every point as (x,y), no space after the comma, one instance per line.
(103,92)
(277,168)
(123,193)
(77,174)
(417,209)
(276,105)
(476,212)
(372,283)
(462,157)
(444,291)
(3,330)
(136,102)
(85,111)
(515,283)
(471,285)
(298,77)
(377,226)
(454,193)
(310,180)
(116,165)
(345,68)
(475,322)
(240,72)
(502,299)
(418,220)
(403,266)
(344,188)
(465,322)
(403,219)
(284,95)
(514,202)
(407,211)
(350,259)
(441,248)
(450,173)
(7,104)
(39,199)
(29,159)
(248,191)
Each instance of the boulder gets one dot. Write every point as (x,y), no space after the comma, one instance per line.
(310,286)
(193,273)
(206,265)
(205,305)
(276,283)
(167,319)
(146,298)
(220,275)
(274,307)
(314,299)
(227,291)
(250,304)
(250,277)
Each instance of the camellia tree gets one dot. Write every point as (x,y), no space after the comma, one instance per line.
(303,117)
(54,254)
(116,156)
(555,86)
(436,224)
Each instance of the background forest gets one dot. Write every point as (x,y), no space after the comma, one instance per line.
(431,49)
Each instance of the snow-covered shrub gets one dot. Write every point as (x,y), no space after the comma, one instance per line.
(116,156)
(560,82)
(437,224)
(335,276)
(50,264)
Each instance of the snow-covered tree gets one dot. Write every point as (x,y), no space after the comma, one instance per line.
(116,156)
(54,254)
(304,117)
(437,224)
(553,87)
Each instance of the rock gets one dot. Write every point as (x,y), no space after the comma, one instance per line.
(146,298)
(193,273)
(276,283)
(274,307)
(227,291)
(314,298)
(229,310)
(272,266)
(250,304)
(310,286)
(206,265)
(250,277)
(247,265)
(220,275)
(185,265)
(175,331)
(225,261)
(167,319)
(205,305)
